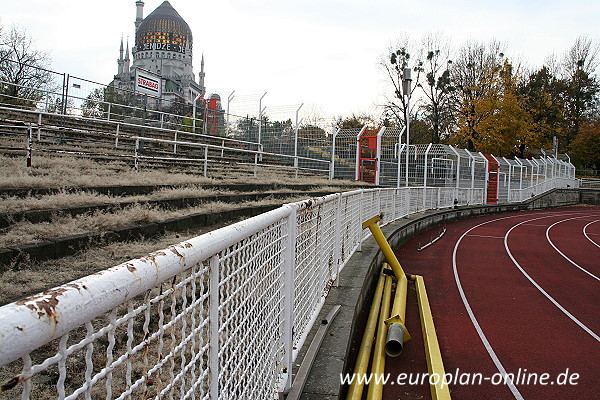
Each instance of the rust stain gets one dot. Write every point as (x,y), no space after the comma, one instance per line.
(152,256)
(131,268)
(187,245)
(174,250)
(46,302)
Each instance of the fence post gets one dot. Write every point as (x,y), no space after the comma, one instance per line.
(361,215)
(296,138)
(337,248)
(175,144)
(357,165)
(214,327)
(229,98)
(108,115)
(39,130)
(137,145)
(29,149)
(378,156)
(117,137)
(332,165)
(510,172)
(288,297)
(205,161)
(425,172)
(260,113)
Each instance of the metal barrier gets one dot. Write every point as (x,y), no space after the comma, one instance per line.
(589,183)
(182,145)
(181,321)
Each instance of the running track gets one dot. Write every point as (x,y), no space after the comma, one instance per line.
(509,292)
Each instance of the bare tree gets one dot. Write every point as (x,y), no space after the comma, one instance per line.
(398,57)
(436,86)
(580,85)
(582,56)
(23,69)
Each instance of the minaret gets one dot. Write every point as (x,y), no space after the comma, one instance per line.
(139,14)
(202,75)
(126,66)
(120,61)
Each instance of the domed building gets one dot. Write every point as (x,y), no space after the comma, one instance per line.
(162,59)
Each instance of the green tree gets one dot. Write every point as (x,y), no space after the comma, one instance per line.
(541,99)
(119,103)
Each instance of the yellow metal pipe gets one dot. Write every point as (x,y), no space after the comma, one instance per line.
(378,367)
(397,335)
(364,352)
(399,309)
(384,245)
(437,384)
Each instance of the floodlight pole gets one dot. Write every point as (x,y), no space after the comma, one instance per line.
(406,81)
(229,98)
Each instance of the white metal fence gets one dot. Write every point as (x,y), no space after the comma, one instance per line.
(220,316)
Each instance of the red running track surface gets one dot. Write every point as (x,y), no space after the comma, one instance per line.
(506,301)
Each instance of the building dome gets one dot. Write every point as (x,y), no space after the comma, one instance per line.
(165,30)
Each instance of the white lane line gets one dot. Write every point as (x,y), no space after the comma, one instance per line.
(543,226)
(587,234)
(487,236)
(474,321)
(538,287)
(563,254)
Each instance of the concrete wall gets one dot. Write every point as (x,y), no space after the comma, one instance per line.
(589,196)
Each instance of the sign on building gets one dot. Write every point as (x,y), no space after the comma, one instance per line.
(147,83)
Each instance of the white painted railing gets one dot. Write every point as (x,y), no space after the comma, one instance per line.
(220,316)
(517,195)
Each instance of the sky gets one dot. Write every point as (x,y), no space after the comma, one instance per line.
(323,54)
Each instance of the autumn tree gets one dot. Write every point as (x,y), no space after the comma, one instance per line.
(505,127)
(354,121)
(585,149)
(474,73)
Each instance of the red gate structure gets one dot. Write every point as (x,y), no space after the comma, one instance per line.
(367,155)
(492,189)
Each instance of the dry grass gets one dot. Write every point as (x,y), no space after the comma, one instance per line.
(85,198)
(60,171)
(68,170)
(26,232)
(29,277)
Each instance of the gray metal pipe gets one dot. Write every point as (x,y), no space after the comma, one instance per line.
(395,340)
